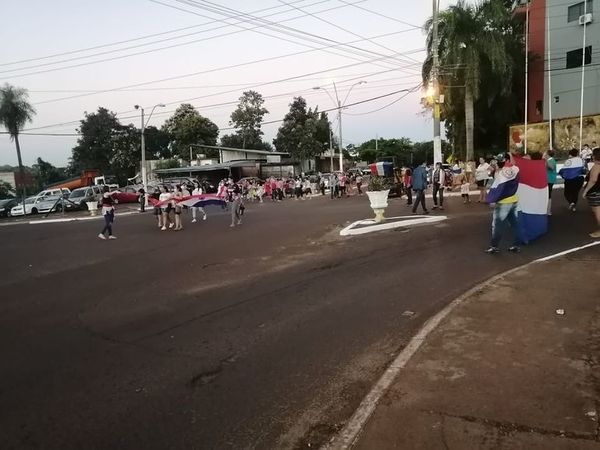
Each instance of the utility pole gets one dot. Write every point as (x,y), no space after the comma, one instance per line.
(331,149)
(340,145)
(144,175)
(437,140)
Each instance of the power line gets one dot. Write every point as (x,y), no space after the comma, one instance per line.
(414,89)
(139,38)
(287,30)
(202,72)
(355,5)
(168,46)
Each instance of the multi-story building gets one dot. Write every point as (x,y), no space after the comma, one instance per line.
(556,29)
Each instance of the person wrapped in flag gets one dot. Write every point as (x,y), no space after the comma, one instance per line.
(573,172)
(503,195)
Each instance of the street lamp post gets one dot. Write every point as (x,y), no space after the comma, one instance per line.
(340,105)
(144,172)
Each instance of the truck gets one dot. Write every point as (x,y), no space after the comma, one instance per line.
(87,178)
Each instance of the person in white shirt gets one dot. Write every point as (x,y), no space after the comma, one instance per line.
(464,190)
(195,209)
(165,196)
(482,173)
(586,154)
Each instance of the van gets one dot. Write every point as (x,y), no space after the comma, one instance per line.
(52,192)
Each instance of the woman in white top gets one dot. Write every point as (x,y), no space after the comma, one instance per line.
(165,196)
(197,191)
(482,173)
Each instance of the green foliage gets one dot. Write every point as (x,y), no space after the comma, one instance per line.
(481,57)
(168,164)
(304,133)
(400,151)
(377,183)
(247,119)
(95,144)
(157,143)
(45,174)
(15,109)
(186,127)
(6,190)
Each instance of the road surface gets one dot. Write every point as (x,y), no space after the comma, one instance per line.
(263,336)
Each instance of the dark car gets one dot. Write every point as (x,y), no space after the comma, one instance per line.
(6,205)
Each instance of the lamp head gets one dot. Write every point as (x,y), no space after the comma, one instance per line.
(161,105)
(136,106)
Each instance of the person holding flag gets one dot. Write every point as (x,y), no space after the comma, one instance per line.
(573,172)
(503,195)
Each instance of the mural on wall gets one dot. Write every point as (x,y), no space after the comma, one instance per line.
(566,132)
(538,138)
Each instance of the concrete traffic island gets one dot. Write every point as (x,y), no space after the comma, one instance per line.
(373,225)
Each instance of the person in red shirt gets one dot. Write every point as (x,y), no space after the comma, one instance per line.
(407,182)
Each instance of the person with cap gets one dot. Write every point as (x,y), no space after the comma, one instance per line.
(503,197)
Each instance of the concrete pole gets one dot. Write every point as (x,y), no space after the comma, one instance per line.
(549,68)
(437,139)
(331,149)
(582,79)
(526,75)
(144,174)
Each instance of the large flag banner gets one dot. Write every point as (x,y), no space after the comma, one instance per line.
(383,169)
(533,198)
(573,168)
(505,184)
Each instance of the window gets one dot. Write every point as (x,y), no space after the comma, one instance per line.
(574,57)
(577,10)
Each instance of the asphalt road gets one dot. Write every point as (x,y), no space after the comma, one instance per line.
(263,336)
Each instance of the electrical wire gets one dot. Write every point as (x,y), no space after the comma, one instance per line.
(414,89)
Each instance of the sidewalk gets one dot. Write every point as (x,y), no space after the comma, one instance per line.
(503,369)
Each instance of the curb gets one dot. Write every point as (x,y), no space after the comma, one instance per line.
(352,430)
(63,219)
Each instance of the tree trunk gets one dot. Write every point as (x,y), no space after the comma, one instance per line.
(469,123)
(21,170)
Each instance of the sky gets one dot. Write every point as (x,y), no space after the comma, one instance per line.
(74,56)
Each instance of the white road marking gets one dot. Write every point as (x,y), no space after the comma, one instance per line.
(388,225)
(351,431)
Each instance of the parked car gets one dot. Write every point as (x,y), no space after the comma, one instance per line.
(6,206)
(56,191)
(18,210)
(79,197)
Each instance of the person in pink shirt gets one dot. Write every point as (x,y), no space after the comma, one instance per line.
(343,181)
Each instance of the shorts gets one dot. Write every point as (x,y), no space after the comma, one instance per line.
(593,199)
(481,183)
(157,211)
(178,210)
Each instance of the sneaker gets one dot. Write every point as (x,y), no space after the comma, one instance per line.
(572,206)
(514,249)
(163,228)
(232,225)
(426,211)
(204,218)
(193,220)
(239,222)
(112,237)
(171,225)
(595,234)
(101,236)
(492,250)
(441,208)
(435,207)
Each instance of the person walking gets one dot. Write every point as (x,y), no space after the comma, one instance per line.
(503,197)
(592,190)
(165,199)
(482,174)
(419,184)
(196,209)
(235,198)
(343,181)
(551,176)
(407,183)
(439,181)
(573,173)
(177,197)
(333,185)
(142,199)
(108,212)
(465,187)
(359,182)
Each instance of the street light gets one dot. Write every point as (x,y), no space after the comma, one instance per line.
(339,106)
(144,174)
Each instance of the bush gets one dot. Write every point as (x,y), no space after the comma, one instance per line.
(377,183)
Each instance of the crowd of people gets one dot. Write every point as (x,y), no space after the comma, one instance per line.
(580,170)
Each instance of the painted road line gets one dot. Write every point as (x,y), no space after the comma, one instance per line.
(76,219)
(389,224)
(351,431)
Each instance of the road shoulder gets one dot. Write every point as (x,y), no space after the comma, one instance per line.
(503,369)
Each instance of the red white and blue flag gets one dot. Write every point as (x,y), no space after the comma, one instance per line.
(193,201)
(573,168)
(382,169)
(505,184)
(533,198)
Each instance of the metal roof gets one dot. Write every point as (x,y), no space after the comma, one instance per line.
(246,150)
(207,168)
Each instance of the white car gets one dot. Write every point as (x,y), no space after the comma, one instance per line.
(35,205)
(18,210)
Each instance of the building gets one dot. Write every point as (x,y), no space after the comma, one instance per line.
(556,28)
(16,181)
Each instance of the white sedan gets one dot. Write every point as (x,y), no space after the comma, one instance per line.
(35,205)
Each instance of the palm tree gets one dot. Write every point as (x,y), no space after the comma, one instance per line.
(15,112)
(471,38)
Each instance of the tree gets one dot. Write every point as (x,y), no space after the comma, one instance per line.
(45,173)
(95,145)
(186,127)
(247,119)
(6,190)
(157,143)
(125,156)
(15,112)
(473,40)
(304,133)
